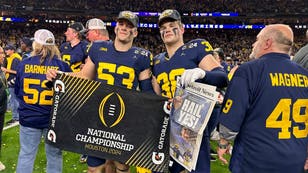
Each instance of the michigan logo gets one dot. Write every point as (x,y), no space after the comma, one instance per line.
(166,13)
(128,14)
(158,158)
(111,110)
(59,86)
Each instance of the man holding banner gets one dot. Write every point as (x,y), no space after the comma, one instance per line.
(194,62)
(117,63)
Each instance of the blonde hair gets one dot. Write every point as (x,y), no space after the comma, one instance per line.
(45,51)
(2,50)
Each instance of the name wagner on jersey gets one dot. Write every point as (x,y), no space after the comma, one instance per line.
(288,80)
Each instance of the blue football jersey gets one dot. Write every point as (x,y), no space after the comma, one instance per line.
(167,69)
(267,103)
(119,68)
(35,99)
(74,56)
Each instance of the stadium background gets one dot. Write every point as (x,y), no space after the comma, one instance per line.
(229,24)
(21,18)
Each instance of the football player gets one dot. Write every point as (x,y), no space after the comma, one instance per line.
(194,62)
(117,63)
(266,106)
(74,50)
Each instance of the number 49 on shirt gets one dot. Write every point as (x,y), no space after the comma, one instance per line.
(282,116)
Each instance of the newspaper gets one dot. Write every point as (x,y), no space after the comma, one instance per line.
(191,111)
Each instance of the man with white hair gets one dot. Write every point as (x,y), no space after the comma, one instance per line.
(96,30)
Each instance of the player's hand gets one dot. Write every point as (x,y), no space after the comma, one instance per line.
(306,164)
(192,75)
(220,98)
(51,74)
(221,152)
(177,102)
(4,69)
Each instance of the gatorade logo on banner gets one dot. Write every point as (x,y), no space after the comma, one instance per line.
(110,122)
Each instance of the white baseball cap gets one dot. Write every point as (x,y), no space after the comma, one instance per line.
(44,37)
(95,23)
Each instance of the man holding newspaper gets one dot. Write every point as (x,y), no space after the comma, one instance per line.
(193,61)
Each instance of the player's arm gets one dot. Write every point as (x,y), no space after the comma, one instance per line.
(156,86)
(13,69)
(209,71)
(8,70)
(215,74)
(87,72)
(209,63)
(226,135)
(234,110)
(145,80)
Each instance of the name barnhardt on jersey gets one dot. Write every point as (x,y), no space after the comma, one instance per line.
(38,69)
(289,80)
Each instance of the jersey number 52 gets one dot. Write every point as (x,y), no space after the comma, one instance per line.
(33,95)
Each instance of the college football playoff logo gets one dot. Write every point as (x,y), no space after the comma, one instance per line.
(111,110)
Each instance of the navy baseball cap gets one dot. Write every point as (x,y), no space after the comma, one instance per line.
(77,26)
(9,47)
(130,16)
(27,41)
(169,15)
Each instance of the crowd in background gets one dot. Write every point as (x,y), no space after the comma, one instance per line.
(236,44)
(241,6)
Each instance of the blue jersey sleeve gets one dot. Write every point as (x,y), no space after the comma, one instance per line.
(236,101)
(201,46)
(146,59)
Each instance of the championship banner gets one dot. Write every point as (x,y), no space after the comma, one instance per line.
(110,122)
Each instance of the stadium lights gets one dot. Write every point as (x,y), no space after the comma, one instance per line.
(57,21)
(300,26)
(12,19)
(213,14)
(200,26)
